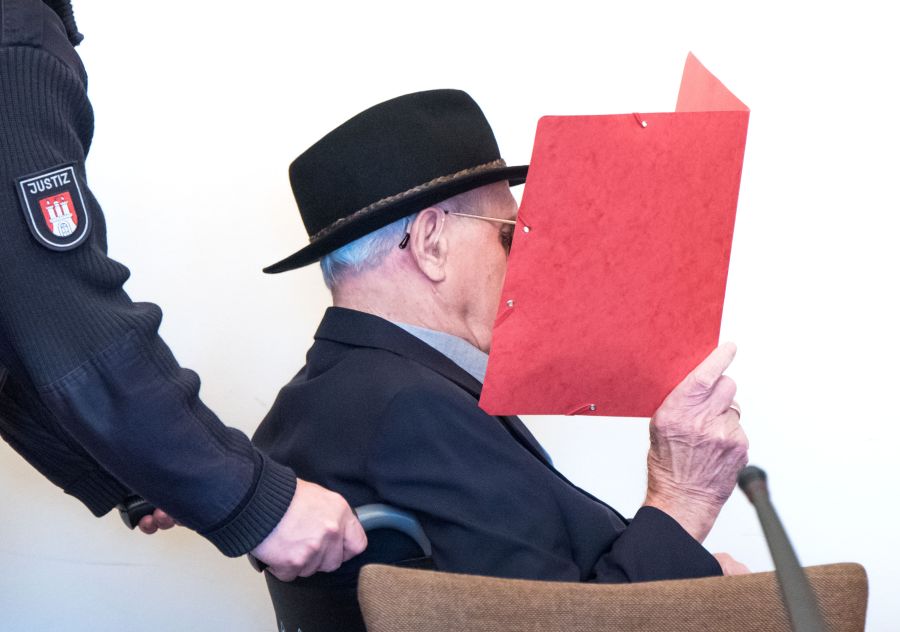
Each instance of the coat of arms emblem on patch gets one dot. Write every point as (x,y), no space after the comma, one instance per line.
(54,207)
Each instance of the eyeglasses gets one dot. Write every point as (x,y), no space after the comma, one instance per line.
(508,222)
(506,236)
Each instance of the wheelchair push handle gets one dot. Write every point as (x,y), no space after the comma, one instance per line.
(379,516)
(132,509)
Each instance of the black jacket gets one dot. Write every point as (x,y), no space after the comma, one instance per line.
(380,416)
(90,394)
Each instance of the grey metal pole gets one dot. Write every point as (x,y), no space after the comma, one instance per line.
(796,592)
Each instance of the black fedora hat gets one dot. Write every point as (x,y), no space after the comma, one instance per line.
(392,160)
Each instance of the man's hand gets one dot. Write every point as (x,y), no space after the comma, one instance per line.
(318,533)
(159,519)
(697,446)
(730,566)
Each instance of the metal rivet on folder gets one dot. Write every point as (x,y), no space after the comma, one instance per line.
(510,303)
(592,407)
(526,229)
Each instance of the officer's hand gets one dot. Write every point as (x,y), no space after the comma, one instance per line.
(319,532)
(697,446)
(159,519)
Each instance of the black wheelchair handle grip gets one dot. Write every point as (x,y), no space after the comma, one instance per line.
(132,509)
(379,516)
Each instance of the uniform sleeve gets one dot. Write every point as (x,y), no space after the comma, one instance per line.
(112,396)
(488,510)
(31,429)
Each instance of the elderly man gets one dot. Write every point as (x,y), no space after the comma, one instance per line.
(409,209)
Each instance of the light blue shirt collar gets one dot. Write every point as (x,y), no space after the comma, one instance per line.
(470,358)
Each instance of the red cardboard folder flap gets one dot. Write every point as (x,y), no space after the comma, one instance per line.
(617,274)
(701,92)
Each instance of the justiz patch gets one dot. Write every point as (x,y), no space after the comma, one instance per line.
(54,207)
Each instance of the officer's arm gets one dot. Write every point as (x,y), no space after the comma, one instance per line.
(31,429)
(93,356)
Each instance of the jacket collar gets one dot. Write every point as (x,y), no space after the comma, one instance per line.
(360,329)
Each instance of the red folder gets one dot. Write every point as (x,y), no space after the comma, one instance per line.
(617,273)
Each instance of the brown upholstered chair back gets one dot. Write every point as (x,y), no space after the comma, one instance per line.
(404,600)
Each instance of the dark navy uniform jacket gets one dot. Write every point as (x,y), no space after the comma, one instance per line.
(380,416)
(90,394)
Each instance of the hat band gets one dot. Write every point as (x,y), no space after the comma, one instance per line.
(399,197)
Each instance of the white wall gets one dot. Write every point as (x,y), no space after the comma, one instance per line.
(201,106)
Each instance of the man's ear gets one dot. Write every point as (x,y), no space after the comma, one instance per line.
(427,245)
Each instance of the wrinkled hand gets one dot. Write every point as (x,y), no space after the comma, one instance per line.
(730,566)
(319,532)
(697,446)
(159,519)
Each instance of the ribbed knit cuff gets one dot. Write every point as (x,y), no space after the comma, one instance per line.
(260,514)
(98,491)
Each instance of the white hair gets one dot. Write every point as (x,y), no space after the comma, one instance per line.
(370,251)
(366,252)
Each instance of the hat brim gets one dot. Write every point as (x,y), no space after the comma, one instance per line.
(359,227)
